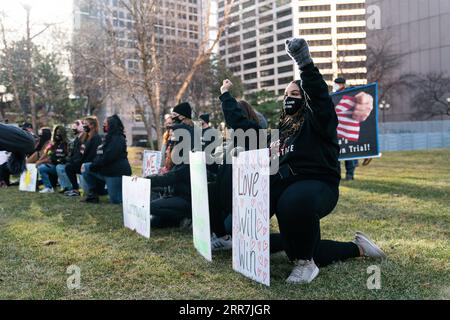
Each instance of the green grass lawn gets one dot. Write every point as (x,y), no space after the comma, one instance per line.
(401,200)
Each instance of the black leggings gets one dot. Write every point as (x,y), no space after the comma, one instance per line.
(71,171)
(169,212)
(299,206)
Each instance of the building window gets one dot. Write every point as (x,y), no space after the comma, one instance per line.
(251,86)
(266,62)
(264,51)
(249,24)
(266,73)
(315,8)
(266,40)
(284,35)
(315,20)
(283,58)
(283,13)
(250,65)
(249,55)
(351,29)
(318,43)
(250,76)
(249,45)
(266,29)
(284,24)
(268,83)
(285,69)
(350,6)
(250,34)
(315,31)
(284,80)
(266,19)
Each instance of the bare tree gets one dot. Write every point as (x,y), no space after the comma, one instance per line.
(206,47)
(154,67)
(431,92)
(382,64)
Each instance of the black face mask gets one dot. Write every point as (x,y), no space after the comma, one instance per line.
(86,129)
(292,105)
(176,120)
(58,138)
(75,132)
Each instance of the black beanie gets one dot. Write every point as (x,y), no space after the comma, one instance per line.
(184,109)
(205,117)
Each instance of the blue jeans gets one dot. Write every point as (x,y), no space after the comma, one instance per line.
(114,184)
(47,170)
(350,166)
(64,181)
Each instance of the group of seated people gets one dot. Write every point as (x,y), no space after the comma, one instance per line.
(88,158)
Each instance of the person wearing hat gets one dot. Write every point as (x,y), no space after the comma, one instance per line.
(339,84)
(174,210)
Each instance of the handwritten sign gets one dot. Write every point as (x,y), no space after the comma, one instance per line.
(28,179)
(136,195)
(251,216)
(151,162)
(200,205)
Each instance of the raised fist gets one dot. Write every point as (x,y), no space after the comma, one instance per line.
(226,86)
(298,50)
(363,108)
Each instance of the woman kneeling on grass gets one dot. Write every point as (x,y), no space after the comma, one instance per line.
(110,163)
(306,187)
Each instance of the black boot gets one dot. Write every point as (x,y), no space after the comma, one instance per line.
(91,198)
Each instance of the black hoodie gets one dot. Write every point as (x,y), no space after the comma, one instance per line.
(19,143)
(312,153)
(112,157)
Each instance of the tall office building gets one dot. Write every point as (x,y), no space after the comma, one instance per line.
(253,46)
(418,30)
(182,24)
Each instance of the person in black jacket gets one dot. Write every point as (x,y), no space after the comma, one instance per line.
(84,151)
(55,155)
(19,143)
(173,210)
(110,163)
(306,187)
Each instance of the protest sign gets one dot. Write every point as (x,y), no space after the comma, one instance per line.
(28,179)
(200,205)
(136,195)
(251,216)
(357,140)
(151,162)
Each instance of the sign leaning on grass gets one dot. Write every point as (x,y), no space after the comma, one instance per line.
(28,179)
(136,194)
(200,205)
(251,216)
(151,162)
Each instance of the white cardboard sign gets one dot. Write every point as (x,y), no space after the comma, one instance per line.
(251,215)
(136,197)
(28,179)
(200,205)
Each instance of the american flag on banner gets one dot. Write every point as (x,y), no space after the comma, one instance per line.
(347,128)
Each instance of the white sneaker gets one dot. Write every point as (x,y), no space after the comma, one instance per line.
(222,243)
(369,248)
(304,272)
(47,190)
